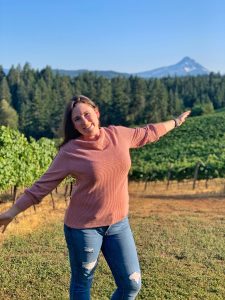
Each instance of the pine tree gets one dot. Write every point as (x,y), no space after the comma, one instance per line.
(2,73)
(119,106)
(13,81)
(8,115)
(4,90)
(137,104)
(157,107)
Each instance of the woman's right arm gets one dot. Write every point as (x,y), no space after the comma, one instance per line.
(58,170)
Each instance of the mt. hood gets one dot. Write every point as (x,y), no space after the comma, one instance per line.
(186,67)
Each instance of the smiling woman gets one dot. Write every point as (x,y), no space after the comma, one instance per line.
(97,217)
(80,114)
(86,120)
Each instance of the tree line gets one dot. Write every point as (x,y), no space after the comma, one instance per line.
(33,101)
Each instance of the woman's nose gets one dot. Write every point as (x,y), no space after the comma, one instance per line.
(84,120)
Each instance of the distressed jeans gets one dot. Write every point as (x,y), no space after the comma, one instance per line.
(117,245)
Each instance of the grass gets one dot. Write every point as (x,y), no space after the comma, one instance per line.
(181,246)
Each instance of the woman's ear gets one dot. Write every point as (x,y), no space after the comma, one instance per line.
(97,113)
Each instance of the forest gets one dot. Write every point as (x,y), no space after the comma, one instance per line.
(32,105)
(33,101)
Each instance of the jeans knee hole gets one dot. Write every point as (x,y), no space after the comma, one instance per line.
(89,266)
(136,276)
(89,250)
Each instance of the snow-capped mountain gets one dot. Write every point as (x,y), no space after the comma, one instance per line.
(186,67)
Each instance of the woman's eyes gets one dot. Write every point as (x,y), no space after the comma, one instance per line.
(85,114)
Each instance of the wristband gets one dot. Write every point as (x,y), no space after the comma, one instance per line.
(176,123)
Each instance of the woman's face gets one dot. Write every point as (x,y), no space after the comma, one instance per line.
(86,120)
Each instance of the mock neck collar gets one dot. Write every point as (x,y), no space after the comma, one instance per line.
(98,144)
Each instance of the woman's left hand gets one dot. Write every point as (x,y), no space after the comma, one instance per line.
(181,119)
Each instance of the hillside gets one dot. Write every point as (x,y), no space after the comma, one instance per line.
(200,139)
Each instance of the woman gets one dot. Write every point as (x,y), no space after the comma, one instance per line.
(96,219)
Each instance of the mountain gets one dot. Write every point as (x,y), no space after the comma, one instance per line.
(186,67)
(107,74)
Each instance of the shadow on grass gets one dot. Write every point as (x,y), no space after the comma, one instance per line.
(179,197)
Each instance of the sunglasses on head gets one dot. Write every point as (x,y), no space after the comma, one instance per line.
(82,99)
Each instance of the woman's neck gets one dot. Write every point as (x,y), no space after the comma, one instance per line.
(91,137)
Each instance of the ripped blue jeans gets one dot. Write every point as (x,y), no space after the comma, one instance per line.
(117,245)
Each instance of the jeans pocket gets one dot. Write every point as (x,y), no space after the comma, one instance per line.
(119,226)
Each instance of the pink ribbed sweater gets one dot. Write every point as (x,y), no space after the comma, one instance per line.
(100,195)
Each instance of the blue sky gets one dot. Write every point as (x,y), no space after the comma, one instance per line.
(119,35)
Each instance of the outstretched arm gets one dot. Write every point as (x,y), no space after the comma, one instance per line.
(8,216)
(58,170)
(171,124)
(140,136)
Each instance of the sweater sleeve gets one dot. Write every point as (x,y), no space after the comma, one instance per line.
(43,186)
(140,136)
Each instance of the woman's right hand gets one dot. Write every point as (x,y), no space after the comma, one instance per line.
(8,216)
(5,219)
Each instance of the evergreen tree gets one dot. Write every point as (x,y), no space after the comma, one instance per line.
(13,81)
(103,98)
(178,104)
(119,106)
(61,94)
(22,105)
(8,115)
(137,104)
(2,73)
(157,107)
(4,90)
(28,75)
(47,75)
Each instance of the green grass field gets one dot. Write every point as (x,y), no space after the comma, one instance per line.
(181,246)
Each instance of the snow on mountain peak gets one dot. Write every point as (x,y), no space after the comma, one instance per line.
(189,69)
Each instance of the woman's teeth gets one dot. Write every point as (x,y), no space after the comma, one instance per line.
(88,127)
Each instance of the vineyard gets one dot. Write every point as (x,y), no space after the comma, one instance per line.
(21,161)
(195,150)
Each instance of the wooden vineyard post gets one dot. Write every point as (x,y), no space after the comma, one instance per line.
(53,201)
(146,183)
(168,178)
(65,193)
(14,193)
(199,163)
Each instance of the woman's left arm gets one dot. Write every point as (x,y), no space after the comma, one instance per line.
(171,124)
(140,136)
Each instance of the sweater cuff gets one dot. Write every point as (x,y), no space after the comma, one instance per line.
(24,202)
